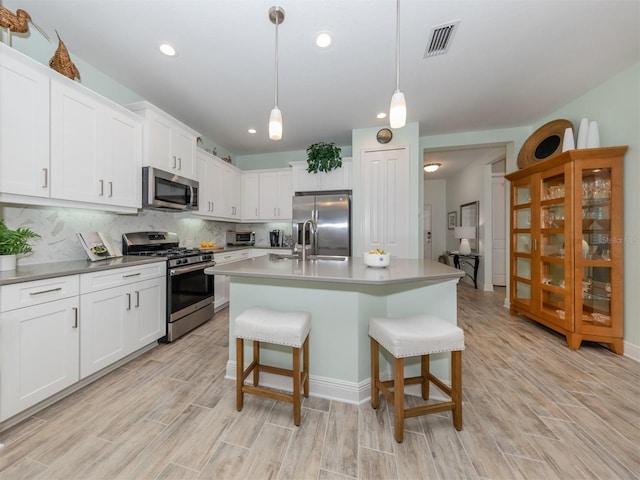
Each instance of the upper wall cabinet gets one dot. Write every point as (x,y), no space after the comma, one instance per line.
(266,195)
(62,143)
(168,144)
(220,187)
(24,125)
(338,179)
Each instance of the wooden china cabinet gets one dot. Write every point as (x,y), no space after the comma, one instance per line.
(567,245)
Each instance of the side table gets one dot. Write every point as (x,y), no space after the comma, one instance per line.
(472,260)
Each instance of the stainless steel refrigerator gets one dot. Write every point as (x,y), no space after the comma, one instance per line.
(331,214)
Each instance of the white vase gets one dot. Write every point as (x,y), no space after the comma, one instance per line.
(567,141)
(7,262)
(593,136)
(582,133)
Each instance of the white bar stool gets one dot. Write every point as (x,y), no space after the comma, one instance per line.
(278,327)
(420,335)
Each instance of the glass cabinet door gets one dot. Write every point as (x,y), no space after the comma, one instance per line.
(595,255)
(555,266)
(521,242)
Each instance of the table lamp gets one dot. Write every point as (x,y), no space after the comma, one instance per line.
(464,234)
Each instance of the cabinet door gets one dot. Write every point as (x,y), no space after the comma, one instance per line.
(221,289)
(183,153)
(76,145)
(103,331)
(599,249)
(522,245)
(38,353)
(232,192)
(24,127)
(251,196)
(158,142)
(121,170)
(268,195)
(148,309)
(285,194)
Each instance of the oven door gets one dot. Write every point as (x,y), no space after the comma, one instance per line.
(190,289)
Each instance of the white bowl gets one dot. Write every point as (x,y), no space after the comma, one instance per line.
(376,259)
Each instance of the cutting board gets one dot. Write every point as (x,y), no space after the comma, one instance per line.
(211,249)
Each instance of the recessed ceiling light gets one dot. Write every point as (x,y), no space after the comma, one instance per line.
(323,40)
(167,49)
(381,115)
(252,131)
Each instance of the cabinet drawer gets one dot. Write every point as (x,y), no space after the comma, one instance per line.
(26,294)
(235,256)
(91,282)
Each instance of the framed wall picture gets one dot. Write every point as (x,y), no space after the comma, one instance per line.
(451,220)
(469,217)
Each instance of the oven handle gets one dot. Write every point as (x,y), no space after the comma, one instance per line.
(192,268)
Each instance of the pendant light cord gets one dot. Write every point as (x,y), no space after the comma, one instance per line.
(276,63)
(397,45)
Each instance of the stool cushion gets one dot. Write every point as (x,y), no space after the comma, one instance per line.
(417,335)
(273,326)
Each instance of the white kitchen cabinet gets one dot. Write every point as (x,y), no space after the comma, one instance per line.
(232,192)
(39,341)
(220,194)
(95,148)
(251,196)
(24,125)
(123,310)
(385,201)
(338,179)
(266,195)
(168,144)
(221,282)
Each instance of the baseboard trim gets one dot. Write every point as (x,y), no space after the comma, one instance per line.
(632,351)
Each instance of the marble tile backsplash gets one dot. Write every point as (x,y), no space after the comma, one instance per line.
(58,228)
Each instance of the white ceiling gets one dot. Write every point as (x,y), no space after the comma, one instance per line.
(511,62)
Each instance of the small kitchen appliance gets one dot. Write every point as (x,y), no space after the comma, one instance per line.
(241,237)
(165,191)
(276,237)
(189,291)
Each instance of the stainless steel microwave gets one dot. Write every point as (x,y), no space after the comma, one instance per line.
(166,191)
(241,237)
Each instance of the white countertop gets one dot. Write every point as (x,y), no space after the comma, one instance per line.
(351,270)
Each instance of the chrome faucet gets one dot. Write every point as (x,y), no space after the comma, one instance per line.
(312,226)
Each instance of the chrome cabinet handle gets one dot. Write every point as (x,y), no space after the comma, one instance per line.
(46,291)
(137,299)
(179,163)
(46,177)
(101,187)
(174,161)
(110,189)
(128,301)
(75,317)
(132,275)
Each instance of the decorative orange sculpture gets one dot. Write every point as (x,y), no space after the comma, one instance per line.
(61,61)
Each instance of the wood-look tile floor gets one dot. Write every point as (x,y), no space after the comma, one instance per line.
(533,409)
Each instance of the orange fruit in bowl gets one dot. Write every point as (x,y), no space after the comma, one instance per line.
(203,244)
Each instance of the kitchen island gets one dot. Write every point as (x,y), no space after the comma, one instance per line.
(341,295)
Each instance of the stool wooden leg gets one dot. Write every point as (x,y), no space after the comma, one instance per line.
(256,359)
(239,372)
(305,366)
(424,372)
(296,386)
(456,387)
(398,398)
(375,373)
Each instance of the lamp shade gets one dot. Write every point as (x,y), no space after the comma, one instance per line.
(397,110)
(464,232)
(275,124)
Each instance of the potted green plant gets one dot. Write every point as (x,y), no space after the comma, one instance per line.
(12,243)
(323,157)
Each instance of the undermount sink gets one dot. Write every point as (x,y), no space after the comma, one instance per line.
(289,256)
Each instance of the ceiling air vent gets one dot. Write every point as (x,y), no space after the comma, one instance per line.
(440,38)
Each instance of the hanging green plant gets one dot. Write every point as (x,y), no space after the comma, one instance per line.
(323,157)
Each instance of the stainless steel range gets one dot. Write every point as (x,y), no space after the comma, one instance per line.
(189,291)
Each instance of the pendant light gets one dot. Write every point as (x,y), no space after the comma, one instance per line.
(398,108)
(276,15)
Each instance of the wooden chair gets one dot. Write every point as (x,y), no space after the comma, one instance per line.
(420,335)
(276,327)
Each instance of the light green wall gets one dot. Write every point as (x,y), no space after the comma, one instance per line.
(277,160)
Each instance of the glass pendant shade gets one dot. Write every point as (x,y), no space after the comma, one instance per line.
(398,110)
(275,124)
